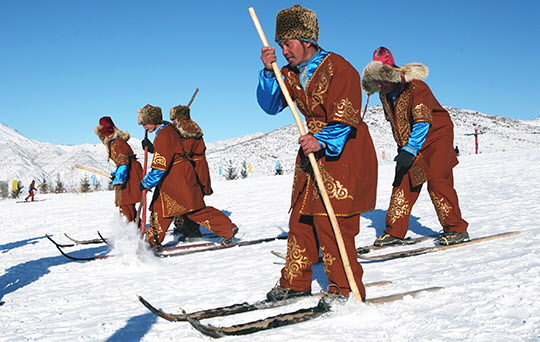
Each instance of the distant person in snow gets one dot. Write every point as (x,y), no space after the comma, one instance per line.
(424,134)
(326,89)
(178,192)
(31,190)
(128,173)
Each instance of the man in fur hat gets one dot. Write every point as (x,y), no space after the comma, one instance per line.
(424,134)
(192,137)
(128,173)
(177,190)
(326,89)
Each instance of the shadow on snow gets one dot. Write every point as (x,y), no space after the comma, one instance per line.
(26,273)
(135,328)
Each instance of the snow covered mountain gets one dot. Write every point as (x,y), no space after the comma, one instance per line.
(26,159)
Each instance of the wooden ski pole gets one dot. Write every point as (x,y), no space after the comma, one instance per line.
(143,201)
(94,171)
(314,166)
(193,97)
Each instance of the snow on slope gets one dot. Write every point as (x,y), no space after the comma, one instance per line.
(490,293)
(26,159)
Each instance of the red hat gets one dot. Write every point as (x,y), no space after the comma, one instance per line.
(108,125)
(384,56)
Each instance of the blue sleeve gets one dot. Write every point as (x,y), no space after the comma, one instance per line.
(334,137)
(120,175)
(417,138)
(269,93)
(152,178)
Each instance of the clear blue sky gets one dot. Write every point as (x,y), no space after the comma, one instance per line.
(64,64)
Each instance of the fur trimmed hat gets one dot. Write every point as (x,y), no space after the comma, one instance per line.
(107,131)
(383,68)
(180,112)
(187,127)
(299,23)
(149,115)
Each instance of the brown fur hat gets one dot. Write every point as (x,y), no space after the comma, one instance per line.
(180,112)
(297,22)
(187,127)
(383,68)
(149,115)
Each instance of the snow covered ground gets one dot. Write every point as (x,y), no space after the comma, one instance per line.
(491,289)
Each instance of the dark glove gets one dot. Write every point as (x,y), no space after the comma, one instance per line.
(403,161)
(147,143)
(142,187)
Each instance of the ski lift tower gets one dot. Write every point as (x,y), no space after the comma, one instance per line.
(476,133)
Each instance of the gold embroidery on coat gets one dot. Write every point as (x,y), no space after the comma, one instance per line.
(421,113)
(442,208)
(344,109)
(171,207)
(321,85)
(399,206)
(296,260)
(316,126)
(399,118)
(206,224)
(159,159)
(328,260)
(333,187)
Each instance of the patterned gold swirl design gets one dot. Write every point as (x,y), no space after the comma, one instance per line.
(159,159)
(399,206)
(328,260)
(442,208)
(296,261)
(345,109)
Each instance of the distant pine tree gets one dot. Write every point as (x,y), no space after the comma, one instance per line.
(44,188)
(59,185)
(230,172)
(244,171)
(110,186)
(97,185)
(85,184)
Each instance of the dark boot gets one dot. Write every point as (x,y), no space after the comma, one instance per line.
(386,239)
(453,238)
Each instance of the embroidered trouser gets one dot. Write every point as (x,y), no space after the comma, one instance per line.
(208,217)
(303,252)
(128,211)
(444,198)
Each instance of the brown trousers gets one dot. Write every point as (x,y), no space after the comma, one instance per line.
(303,252)
(444,198)
(208,217)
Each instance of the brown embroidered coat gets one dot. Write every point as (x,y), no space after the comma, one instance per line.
(178,191)
(196,151)
(122,154)
(334,95)
(416,103)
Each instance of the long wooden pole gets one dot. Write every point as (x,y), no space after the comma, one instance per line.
(193,97)
(314,166)
(143,201)
(94,171)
